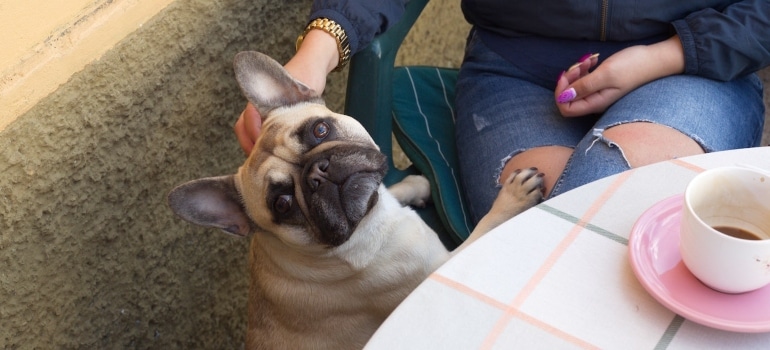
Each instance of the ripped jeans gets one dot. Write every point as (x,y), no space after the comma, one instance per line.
(503,110)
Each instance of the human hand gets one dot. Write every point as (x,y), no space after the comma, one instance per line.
(580,91)
(248,127)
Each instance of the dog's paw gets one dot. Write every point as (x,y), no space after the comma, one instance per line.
(413,190)
(522,190)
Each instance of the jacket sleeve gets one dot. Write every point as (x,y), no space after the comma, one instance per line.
(361,19)
(726,44)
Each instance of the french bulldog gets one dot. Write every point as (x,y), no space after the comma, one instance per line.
(332,251)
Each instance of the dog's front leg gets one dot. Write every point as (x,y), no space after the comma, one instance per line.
(522,190)
(413,190)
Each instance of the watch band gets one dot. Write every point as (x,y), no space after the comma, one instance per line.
(335,30)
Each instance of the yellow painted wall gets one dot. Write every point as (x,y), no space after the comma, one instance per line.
(45,42)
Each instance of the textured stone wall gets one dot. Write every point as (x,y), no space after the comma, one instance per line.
(90,255)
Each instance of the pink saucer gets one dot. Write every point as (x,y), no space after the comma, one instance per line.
(655,259)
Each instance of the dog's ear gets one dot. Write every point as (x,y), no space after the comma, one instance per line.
(267,85)
(211,202)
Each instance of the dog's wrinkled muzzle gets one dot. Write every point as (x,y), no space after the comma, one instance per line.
(340,187)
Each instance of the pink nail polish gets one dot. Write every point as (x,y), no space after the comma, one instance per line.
(567,95)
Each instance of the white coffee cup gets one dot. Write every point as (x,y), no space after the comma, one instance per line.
(727,197)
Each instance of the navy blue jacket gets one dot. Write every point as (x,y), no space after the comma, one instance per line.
(722,39)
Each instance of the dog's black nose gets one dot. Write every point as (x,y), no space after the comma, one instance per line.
(317,174)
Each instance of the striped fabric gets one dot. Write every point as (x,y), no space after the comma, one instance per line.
(423,112)
(558,276)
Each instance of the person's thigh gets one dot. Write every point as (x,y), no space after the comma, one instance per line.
(689,114)
(500,114)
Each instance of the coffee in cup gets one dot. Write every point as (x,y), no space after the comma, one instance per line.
(725,230)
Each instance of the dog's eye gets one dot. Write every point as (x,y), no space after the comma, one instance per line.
(283,204)
(321,130)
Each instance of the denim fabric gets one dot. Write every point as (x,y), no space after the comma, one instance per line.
(503,110)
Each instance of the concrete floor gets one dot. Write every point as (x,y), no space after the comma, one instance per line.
(91,256)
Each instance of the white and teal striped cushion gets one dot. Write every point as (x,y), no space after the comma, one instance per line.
(423,111)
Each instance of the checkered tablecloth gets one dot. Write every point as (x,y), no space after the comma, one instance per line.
(558,276)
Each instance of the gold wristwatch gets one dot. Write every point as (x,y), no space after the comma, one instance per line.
(335,30)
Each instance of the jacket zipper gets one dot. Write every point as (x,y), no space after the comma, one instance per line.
(605,9)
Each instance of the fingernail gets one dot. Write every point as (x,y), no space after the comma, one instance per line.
(567,95)
(573,66)
(560,75)
(585,57)
(588,56)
